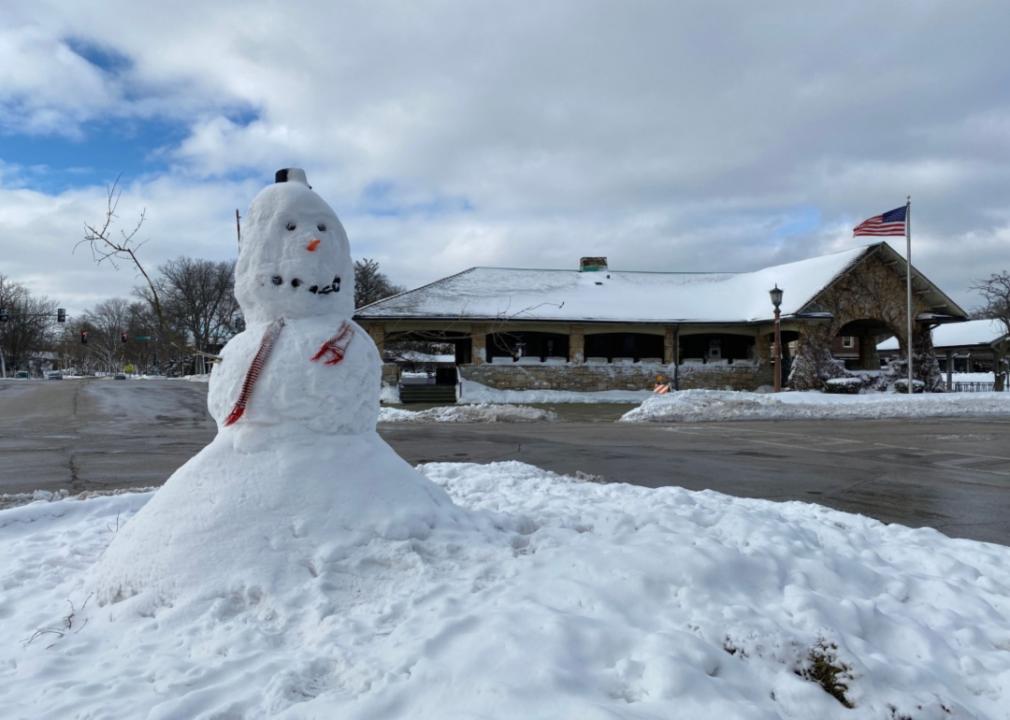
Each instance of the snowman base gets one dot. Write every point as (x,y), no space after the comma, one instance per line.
(267,515)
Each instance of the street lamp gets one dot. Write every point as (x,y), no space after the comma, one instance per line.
(776,295)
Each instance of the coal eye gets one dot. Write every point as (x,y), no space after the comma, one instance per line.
(321,227)
(291,226)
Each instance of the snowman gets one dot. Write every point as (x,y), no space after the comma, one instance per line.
(297,467)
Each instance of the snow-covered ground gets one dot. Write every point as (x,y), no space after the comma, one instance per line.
(716,405)
(565,599)
(469,413)
(474,393)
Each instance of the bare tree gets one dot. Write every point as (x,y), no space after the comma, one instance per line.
(106,323)
(28,329)
(995,290)
(370,284)
(74,355)
(108,246)
(192,301)
(198,299)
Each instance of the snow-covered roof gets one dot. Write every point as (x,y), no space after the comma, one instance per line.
(973,332)
(617,295)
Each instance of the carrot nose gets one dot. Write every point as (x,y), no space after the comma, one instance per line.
(313,244)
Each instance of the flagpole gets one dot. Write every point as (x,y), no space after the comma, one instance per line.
(908,283)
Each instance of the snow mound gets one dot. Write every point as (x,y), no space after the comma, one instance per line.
(475,392)
(716,405)
(485,412)
(562,599)
(262,515)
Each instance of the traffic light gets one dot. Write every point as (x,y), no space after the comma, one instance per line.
(3,315)
(123,337)
(84,337)
(61,315)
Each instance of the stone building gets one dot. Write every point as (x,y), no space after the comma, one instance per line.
(595,328)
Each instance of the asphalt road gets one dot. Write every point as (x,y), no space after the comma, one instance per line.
(952,474)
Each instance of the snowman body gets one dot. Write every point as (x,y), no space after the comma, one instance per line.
(297,467)
(294,394)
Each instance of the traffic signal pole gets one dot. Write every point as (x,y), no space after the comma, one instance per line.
(61,316)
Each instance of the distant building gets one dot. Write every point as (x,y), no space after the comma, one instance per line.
(976,346)
(595,328)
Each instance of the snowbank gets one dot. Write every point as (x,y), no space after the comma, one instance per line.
(485,412)
(474,392)
(718,405)
(389,394)
(571,600)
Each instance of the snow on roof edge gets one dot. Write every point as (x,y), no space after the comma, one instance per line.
(408,304)
(357,311)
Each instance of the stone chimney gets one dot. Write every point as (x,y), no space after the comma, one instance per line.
(593,264)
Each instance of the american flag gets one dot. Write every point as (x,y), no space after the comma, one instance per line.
(890,223)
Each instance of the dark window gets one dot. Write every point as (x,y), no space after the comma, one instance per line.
(716,347)
(526,344)
(624,345)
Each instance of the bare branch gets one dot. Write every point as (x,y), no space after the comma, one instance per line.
(105,246)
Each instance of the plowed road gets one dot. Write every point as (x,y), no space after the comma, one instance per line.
(952,474)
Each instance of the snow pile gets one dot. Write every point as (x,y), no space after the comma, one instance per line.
(389,394)
(485,412)
(563,599)
(474,392)
(12,499)
(718,405)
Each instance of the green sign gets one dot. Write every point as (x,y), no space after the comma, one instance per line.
(142,338)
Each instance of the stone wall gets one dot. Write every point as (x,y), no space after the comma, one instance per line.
(872,290)
(591,378)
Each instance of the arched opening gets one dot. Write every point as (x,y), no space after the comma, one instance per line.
(527,348)
(623,348)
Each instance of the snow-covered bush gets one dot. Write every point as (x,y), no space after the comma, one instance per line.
(844,385)
(901,386)
(814,364)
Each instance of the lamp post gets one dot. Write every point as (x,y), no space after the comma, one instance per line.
(776,296)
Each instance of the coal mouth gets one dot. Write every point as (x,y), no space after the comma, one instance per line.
(333,287)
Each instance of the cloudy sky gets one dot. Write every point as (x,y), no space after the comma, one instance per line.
(693,136)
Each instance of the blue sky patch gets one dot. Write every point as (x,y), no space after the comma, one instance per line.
(802,220)
(106,149)
(130,147)
(104,58)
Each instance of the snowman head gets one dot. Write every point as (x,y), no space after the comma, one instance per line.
(294,259)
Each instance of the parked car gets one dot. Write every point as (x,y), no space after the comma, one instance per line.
(54,375)
(22,375)
(119,376)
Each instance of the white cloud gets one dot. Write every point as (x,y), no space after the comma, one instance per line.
(664,135)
